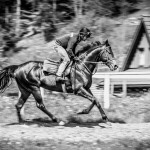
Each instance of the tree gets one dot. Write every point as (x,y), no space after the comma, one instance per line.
(18,17)
(54,11)
(78,8)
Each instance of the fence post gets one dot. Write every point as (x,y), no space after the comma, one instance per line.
(112,89)
(106,91)
(124,88)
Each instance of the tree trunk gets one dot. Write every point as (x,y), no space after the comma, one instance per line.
(33,5)
(18,17)
(80,8)
(75,3)
(54,11)
(6,15)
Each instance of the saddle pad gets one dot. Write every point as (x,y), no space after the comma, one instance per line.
(50,66)
(51,79)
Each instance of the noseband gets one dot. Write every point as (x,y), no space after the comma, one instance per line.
(108,60)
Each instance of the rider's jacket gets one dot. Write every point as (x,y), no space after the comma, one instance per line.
(68,42)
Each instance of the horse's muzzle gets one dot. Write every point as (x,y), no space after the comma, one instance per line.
(112,65)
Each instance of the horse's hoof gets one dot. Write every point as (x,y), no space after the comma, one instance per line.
(109,123)
(55,120)
(79,112)
(105,125)
(21,121)
(61,123)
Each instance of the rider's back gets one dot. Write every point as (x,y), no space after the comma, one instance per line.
(64,40)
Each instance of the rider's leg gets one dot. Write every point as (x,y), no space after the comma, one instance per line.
(63,54)
(61,69)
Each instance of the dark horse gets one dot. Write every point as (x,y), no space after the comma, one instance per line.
(30,77)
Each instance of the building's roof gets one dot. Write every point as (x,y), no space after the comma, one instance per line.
(146,19)
(143,27)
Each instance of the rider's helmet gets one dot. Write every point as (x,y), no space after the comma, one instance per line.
(84,33)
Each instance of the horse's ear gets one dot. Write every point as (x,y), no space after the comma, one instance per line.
(106,42)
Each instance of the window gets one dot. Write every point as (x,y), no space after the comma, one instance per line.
(141,57)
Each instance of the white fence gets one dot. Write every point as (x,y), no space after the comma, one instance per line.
(124,79)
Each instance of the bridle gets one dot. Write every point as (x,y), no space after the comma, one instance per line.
(107,52)
(100,56)
(104,50)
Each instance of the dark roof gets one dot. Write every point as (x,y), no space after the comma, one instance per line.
(143,27)
(146,20)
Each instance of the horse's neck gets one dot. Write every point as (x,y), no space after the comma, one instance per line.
(86,50)
(88,53)
(89,61)
(83,47)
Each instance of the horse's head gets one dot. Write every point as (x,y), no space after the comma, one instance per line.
(107,57)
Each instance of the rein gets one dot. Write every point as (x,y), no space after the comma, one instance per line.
(92,62)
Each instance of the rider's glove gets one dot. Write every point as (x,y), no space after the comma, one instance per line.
(71,55)
(76,58)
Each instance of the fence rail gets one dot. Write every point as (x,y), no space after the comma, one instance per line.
(124,79)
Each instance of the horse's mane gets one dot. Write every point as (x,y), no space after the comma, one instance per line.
(87,48)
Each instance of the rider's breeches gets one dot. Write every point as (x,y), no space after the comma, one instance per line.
(63,54)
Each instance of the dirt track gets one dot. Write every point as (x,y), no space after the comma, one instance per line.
(39,133)
(87,136)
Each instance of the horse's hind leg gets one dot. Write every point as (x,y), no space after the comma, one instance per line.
(39,102)
(23,96)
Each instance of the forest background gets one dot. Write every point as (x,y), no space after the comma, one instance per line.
(27,25)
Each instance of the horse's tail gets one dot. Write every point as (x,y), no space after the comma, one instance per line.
(6,76)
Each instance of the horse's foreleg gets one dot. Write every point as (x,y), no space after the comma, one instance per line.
(84,93)
(23,96)
(39,102)
(89,108)
(42,92)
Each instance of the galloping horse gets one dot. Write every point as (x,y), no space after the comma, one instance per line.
(30,77)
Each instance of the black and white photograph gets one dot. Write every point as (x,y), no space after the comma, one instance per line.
(74,74)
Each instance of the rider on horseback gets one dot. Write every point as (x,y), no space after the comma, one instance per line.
(65,47)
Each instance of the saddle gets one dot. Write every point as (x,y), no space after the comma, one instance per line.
(50,67)
(51,64)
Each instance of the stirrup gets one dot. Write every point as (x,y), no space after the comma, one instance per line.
(59,78)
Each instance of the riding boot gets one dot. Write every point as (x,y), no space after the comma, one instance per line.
(60,71)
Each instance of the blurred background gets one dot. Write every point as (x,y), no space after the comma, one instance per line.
(43,20)
(27,25)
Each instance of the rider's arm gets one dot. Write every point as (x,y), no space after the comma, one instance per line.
(71,45)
